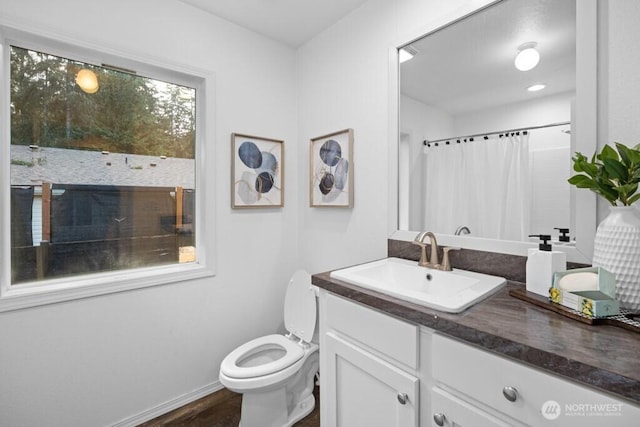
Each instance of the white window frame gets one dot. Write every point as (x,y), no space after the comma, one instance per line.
(14,297)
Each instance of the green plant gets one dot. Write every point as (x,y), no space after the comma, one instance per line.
(21,162)
(614,173)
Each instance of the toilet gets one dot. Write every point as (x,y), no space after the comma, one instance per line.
(276,373)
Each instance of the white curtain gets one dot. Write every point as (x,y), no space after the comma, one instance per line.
(483,185)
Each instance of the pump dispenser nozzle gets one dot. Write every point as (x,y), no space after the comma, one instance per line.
(544,244)
(564,234)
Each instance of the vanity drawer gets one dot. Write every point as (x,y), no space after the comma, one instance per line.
(380,332)
(482,376)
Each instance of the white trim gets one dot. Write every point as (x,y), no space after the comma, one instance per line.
(394,139)
(71,288)
(5,172)
(59,290)
(585,114)
(170,405)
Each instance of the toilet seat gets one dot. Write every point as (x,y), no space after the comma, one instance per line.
(232,365)
(266,359)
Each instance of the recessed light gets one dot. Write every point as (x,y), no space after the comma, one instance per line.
(536,87)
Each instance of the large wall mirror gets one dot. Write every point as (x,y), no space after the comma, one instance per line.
(485,142)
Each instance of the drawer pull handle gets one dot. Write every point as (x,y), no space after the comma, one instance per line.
(403,398)
(510,393)
(439,418)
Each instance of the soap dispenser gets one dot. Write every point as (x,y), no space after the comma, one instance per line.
(541,264)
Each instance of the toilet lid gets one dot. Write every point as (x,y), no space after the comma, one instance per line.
(300,306)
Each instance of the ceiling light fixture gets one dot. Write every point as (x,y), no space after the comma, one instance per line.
(536,87)
(406,53)
(87,80)
(527,57)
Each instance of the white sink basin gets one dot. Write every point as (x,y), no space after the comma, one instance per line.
(450,291)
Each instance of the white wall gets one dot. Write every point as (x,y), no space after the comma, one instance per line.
(97,361)
(343,81)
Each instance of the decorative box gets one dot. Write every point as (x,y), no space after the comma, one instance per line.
(591,291)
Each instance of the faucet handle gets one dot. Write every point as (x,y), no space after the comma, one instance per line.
(423,253)
(446,264)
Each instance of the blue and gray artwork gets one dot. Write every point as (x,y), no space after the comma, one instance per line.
(255,184)
(332,178)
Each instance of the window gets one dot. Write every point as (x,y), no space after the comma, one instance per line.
(102,170)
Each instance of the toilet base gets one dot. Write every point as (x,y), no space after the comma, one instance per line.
(301,410)
(269,409)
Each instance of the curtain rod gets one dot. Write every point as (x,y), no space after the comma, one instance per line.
(458,138)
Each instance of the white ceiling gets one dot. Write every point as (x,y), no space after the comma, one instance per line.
(465,67)
(292,22)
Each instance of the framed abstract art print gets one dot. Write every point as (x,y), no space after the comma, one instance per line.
(257,172)
(331,170)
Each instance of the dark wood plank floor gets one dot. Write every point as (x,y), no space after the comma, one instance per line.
(220,409)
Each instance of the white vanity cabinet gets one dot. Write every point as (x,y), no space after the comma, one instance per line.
(469,380)
(378,370)
(368,366)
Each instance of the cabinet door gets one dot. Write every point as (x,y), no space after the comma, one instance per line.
(535,397)
(361,389)
(450,411)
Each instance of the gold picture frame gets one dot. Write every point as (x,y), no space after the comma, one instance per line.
(331,170)
(257,172)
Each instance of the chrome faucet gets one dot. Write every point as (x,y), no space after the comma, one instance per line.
(433,261)
(462,229)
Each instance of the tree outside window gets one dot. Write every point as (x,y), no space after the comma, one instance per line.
(102,178)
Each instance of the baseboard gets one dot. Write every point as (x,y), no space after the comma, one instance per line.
(170,405)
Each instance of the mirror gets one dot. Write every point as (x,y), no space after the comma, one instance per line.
(481,156)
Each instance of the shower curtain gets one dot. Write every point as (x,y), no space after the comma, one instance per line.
(483,185)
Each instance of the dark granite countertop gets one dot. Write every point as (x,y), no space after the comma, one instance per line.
(606,358)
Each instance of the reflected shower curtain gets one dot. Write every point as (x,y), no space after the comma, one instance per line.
(483,185)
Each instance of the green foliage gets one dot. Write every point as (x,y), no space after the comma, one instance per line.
(128,114)
(37,161)
(614,173)
(21,163)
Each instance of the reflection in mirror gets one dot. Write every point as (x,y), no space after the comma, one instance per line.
(476,148)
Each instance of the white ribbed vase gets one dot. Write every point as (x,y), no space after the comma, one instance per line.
(617,249)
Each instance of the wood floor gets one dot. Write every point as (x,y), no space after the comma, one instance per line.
(220,409)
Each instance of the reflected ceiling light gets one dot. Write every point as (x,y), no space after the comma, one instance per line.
(87,80)
(527,57)
(536,87)
(406,53)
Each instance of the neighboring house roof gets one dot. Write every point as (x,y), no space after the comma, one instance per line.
(65,166)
